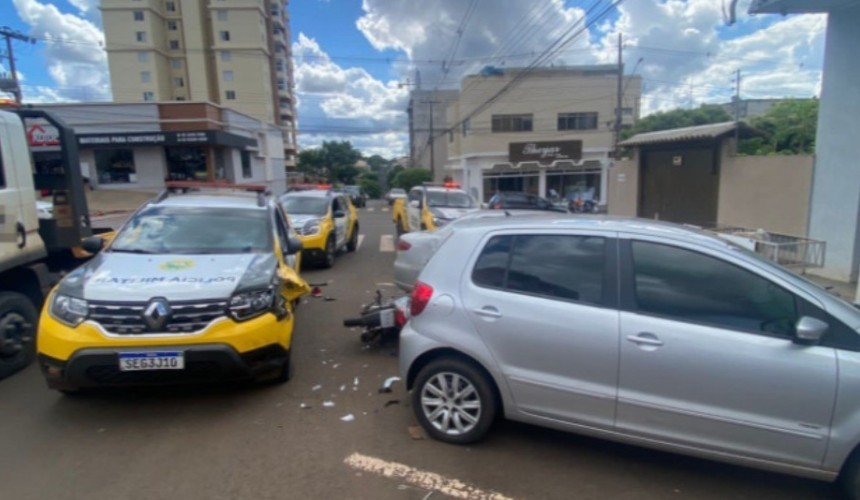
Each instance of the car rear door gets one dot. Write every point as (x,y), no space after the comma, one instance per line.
(707,358)
(544,304)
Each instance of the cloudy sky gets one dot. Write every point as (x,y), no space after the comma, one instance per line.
(353,58)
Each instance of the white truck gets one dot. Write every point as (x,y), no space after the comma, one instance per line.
(32,250)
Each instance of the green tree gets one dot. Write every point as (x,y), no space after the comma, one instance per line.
(411,177)
(370,186)
(377,163)
(677,118)
(334,159)
(392,173)
(787,127)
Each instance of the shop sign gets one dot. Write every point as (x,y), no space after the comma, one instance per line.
(213,137)
(41,136)
(544,152)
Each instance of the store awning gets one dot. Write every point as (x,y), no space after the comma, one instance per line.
(685,134)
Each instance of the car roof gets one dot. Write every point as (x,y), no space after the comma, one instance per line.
(546,220)
(212,200)
(441,189)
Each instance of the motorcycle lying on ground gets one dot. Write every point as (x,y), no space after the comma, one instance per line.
(382,319)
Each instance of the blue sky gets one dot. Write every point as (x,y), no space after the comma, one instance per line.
(350,54)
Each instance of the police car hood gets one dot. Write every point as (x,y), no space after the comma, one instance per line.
(452,213)
(121,277)
(299,220)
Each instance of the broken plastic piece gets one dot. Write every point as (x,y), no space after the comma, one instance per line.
(386,386)
(391,402)
(316,388)
(304,406)
(355,382)
(329,299)
(328,404)
(316,292)
(348,418)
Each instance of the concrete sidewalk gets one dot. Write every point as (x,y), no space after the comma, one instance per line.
(846,291)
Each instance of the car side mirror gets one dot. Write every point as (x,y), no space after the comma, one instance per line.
(294,246)
(339,214)
(415,203)
(93,244)
(810,331)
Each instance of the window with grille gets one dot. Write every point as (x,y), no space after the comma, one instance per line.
(577,121)
(512,123)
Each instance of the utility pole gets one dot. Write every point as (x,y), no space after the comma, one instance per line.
(737,109)
(9,34)
(431,140)
(619,96)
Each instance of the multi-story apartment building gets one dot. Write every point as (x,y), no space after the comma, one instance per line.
(427,116)
(550,133)
(235,53)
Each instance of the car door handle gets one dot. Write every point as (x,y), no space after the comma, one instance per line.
(488,312)
(645,339)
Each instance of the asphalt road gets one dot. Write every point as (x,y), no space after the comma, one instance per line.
(259,443)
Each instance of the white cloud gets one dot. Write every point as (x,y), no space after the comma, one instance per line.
(74,57)
(348,101)
(779,56)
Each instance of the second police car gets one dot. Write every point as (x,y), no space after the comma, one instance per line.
(326,222)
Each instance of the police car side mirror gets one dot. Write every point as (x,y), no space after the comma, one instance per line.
(93,244)
(294,246)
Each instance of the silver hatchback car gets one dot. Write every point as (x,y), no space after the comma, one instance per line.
(637,331)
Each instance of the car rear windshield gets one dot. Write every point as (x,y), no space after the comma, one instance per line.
(305,205)
(451,199)
(195,230)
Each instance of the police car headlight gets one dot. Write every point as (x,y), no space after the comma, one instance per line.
(248,305)
(68,310)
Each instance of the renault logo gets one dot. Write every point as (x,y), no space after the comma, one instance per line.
(156,314)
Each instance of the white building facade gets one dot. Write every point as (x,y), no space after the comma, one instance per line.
(551,133)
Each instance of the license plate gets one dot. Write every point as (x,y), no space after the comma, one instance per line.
(386,318)
(154,360)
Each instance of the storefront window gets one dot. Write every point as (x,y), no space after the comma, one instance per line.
(511,183)
(572,185)
(115,166)
(186,164)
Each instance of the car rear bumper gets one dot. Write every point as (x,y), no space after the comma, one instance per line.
(99,367)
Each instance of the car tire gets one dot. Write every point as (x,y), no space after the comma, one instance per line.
(352,244)
(285,372)
(330,252)
(18,320)
(849,479)
(452,418)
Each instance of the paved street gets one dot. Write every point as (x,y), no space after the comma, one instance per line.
(259,442)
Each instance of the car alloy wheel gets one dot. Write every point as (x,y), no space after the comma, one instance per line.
(454,400)
(451,403)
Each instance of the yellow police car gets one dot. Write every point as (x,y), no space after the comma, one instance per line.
(326,222)
(194,287)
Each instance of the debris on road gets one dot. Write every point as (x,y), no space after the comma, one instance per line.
(386,386)
(305,406)
(329,299)
(355,382)
(415,432)
(348,418)
(316,388)
(343,388)
(328,404)
(335,365)
(391,402)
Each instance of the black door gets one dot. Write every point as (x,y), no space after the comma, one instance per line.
(680,185)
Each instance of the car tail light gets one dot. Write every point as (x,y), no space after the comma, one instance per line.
(399,317)
(421,294)
(403,245)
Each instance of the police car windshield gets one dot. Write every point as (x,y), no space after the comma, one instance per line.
(195,230)
(451,199)
(305,205)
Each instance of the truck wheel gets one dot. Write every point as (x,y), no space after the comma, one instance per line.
(352,244)
(18,318)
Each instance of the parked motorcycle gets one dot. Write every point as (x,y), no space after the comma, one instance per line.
(382,319)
